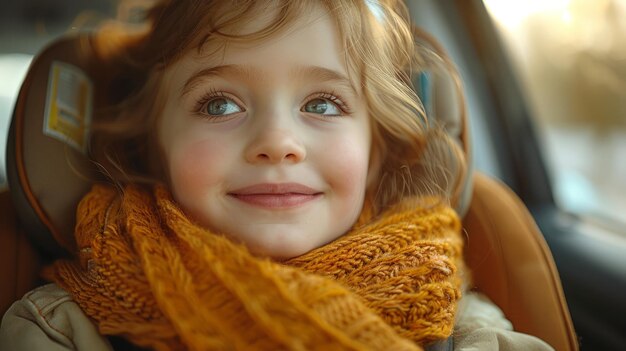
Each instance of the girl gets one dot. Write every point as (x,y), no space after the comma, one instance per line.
(281,189)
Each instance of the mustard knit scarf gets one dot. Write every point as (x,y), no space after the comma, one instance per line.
(147,273)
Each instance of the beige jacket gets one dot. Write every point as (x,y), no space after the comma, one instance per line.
(47,319)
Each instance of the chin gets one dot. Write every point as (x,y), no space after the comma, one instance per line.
(280,248)
(279,253)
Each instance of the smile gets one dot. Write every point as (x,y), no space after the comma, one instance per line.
(276,196)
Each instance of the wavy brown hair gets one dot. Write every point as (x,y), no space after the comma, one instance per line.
(415,155)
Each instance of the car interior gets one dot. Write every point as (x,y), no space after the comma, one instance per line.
(533,260)
(505,144)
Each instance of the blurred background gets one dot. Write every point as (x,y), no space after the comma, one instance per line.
(570,59)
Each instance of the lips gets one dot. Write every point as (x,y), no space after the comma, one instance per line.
(276,195)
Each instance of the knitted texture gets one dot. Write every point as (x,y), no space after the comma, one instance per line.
(149,274)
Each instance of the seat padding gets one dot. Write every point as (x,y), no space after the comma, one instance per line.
(19,262)
(512,264)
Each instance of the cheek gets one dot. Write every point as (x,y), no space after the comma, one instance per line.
(195,166)
(347,169)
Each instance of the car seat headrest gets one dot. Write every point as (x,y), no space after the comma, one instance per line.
(47,164)
(47,167)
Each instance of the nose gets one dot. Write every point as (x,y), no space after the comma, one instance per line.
(276,146)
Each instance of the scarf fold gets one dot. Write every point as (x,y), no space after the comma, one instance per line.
(147,273)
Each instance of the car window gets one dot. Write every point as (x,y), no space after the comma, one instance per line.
(570,58)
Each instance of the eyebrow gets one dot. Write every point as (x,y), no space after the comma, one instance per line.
(318,73)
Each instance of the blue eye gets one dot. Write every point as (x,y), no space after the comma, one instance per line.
(322,107)
(221,106)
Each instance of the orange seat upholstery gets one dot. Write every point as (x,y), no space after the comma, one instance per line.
(19,261)
(512,264)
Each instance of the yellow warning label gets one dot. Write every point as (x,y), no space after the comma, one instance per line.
(68,105)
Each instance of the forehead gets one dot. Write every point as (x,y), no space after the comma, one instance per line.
(311,39)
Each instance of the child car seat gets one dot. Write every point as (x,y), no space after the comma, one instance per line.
(48,173)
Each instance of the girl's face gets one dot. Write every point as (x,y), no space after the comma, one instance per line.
(269,142)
